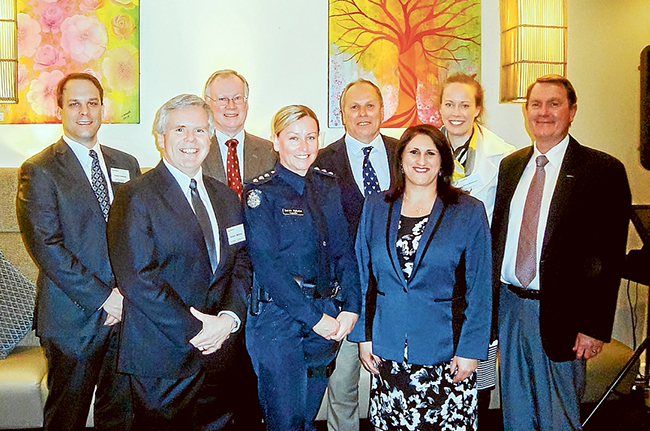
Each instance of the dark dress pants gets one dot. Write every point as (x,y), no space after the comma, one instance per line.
(228,398)
(162,404)
(290,362)
(73,373)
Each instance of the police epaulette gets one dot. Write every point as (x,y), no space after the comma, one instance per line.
(324,172)
(263,178)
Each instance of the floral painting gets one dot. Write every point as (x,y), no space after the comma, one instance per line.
(57,37)
(406,47)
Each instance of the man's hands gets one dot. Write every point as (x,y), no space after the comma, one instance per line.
(587,347)
(113,307)
(216,330)
(336,329)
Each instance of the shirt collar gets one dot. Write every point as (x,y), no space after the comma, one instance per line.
(80,150)
(182,179)
(222,138)
(358,146)
(556,154)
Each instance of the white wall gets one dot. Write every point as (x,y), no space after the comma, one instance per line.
(282,51)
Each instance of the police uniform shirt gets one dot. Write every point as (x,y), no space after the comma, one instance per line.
(284,239)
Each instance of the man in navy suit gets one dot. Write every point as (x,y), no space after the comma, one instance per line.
(63,197)
(559,232)
(361,147)
(177,246)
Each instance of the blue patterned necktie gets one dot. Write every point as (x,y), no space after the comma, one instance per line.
(204,222)
(370,181)
(98,183)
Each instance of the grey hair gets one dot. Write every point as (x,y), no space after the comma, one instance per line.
(224,73)
(179,102)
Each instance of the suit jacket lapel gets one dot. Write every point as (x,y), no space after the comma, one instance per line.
(392,226)
(171,192)
(213,163)
(347,177)
(563,188)
(427,235)
(219,212)
(73,167)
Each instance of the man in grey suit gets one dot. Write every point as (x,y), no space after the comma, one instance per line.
(226,91)
(360,160)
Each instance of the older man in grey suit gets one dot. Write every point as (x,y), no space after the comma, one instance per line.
(231,163)
(226,91)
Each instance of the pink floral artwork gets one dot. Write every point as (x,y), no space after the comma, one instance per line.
(58,37)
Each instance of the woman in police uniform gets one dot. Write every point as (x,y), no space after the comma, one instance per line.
(306,294)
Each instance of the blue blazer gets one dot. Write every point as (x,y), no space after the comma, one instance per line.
(444,309)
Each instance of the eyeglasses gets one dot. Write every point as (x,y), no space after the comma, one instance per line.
(223,101)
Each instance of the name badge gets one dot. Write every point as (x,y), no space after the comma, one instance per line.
(120,175)
(292,212)
(235,234)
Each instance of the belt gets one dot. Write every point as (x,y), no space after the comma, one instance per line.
(524,293)
(308,289)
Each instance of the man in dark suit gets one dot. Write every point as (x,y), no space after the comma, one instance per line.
(177,247)
(360,160)
(559,233)
(226,91)
(63,197)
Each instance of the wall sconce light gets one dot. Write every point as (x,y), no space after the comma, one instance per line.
(533,44)
(8,52)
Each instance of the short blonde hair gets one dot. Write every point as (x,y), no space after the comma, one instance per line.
(290,114)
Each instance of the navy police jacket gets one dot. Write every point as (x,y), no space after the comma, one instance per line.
(295,227)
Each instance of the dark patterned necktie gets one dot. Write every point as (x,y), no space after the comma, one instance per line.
(526,262)
(232,170)
(98,183)
(204,222)
(370,181)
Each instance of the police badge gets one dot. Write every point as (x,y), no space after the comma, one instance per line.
(253,198)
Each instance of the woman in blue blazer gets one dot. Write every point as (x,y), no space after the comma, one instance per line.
(425,264)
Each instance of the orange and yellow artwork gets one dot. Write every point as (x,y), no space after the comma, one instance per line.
(406,47)
(57,37)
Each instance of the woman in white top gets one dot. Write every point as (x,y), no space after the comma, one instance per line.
(477,151)
(477,154)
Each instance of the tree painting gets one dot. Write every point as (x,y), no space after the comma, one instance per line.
(405,46)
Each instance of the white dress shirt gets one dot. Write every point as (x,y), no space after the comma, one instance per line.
(82,154)
(222,138)
(378,159)
(184,182)
(555,157)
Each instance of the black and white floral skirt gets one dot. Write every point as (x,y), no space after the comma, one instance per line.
(419,397)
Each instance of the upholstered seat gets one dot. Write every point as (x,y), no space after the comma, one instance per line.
(23,388)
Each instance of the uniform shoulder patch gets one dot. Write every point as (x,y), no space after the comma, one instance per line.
(324,172)
(263,178)
(253,198)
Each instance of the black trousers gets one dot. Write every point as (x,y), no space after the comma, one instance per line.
(73,373)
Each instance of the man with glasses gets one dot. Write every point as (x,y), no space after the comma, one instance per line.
(229,162)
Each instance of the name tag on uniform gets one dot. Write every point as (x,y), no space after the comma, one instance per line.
(120,175)
(292,212)
(235,234)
